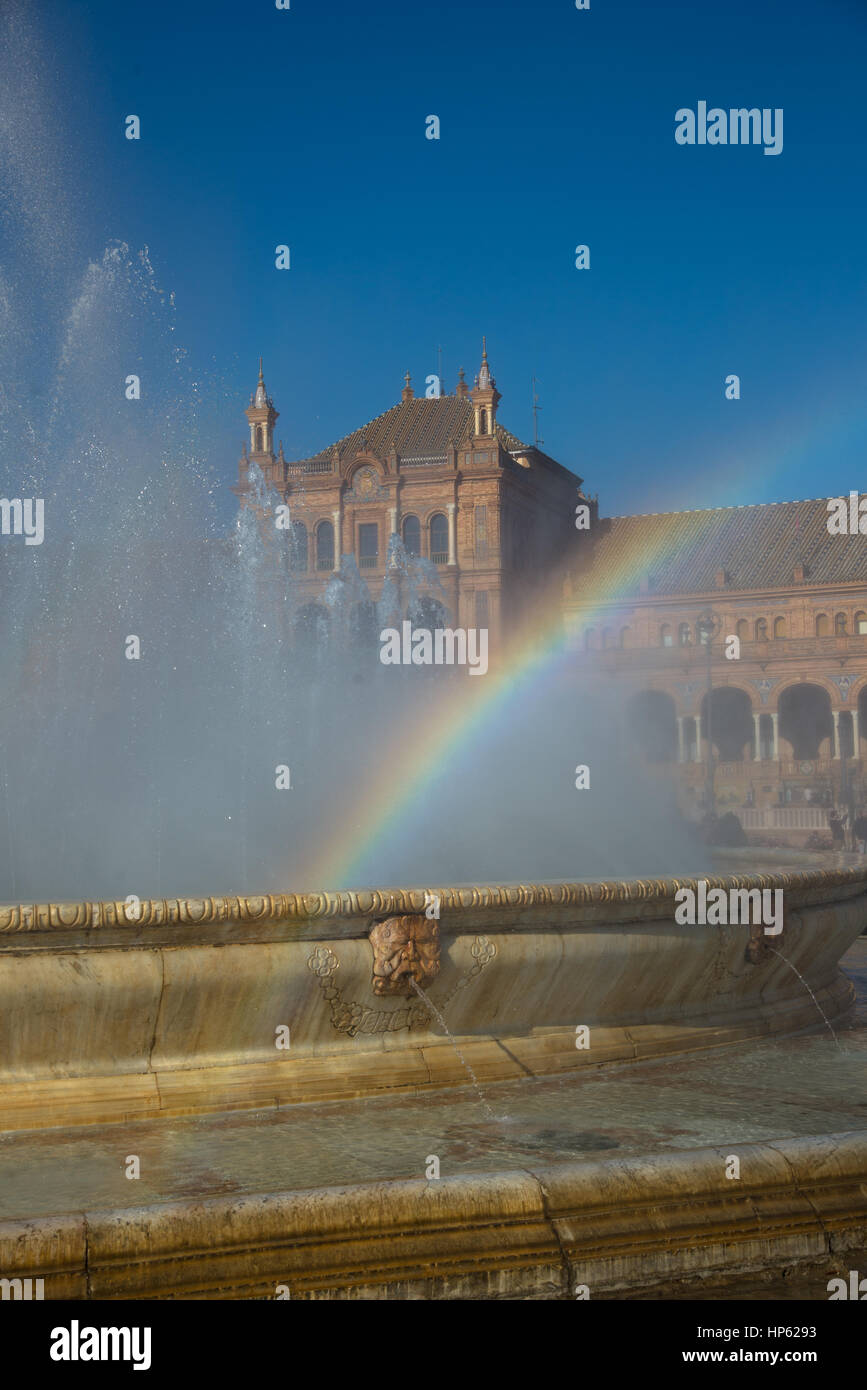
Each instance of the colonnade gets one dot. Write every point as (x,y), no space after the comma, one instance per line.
(773,715)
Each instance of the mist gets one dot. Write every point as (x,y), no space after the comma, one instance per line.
(158,681)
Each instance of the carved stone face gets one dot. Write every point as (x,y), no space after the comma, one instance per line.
(404,949)
(758,947)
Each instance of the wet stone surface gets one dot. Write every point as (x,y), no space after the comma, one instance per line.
(750,1092)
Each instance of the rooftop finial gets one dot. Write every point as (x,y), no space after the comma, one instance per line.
(484,378)
(407,393)
(261,396)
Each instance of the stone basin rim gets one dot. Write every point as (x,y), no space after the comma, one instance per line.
(310,908)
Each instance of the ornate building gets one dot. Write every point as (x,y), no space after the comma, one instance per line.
(492,514)
(651,607)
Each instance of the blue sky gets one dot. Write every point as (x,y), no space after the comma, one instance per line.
(307,127)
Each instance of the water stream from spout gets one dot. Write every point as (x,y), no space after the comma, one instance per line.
(468,1069)
(809,991)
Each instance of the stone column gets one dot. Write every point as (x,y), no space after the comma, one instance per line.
(757,725)
(453,538)
(698,739)
(392,521)
(836,717)
(856,733)
(681,747)
(338,538)
(775,729)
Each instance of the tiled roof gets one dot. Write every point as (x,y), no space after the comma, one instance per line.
(682,552)
(418,427)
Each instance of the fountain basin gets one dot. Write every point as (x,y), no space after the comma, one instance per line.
(660,1226)
(213,1004)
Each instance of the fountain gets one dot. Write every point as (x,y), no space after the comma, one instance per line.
(176,1009)
(202,794)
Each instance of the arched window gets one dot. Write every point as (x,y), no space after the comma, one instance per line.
(822,628)
(439,539)
(742,630)
(412,535)
(779,627)
(260,440)
(761,630)
(861,624)
(665,637)
(298,547)
(483,421)
(606,638)
(683,637)
(839,624)
(625,636)
(325,546)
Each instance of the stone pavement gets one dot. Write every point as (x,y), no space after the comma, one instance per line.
(768,1090)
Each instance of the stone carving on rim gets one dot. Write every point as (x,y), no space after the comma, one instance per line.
(353,1018)
(404,949)
(304,909)
(760,947)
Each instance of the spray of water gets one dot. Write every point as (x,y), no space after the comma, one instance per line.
(463,1061)
(161,661)
(809,991)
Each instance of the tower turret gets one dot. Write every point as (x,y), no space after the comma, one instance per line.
(262,417)
(485,398)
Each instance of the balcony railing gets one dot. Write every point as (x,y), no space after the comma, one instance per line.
(325,563)
(440,557)
(783,817)
(314,466)
(368,562)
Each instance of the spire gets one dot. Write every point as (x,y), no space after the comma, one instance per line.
(261,396)
(484,378)
(485,397)
(407,393)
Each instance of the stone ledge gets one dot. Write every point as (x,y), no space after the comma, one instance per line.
(615,1225)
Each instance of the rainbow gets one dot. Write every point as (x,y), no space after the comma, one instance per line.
(406,778)
(411,772)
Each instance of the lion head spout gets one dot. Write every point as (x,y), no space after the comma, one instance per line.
(404,949)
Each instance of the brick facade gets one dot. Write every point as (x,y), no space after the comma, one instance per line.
(494,515)
(789,705)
